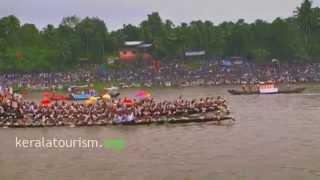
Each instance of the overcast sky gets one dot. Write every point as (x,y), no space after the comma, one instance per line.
(115,13)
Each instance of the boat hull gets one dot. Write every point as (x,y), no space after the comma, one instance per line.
(177,121)
(81,97)
(291,91)
(132,123)
(115,95)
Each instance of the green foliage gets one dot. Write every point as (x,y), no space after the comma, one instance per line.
(25,48)
(260,55)
(29,59)
(308,19)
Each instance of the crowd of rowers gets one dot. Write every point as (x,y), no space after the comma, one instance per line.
(14,112)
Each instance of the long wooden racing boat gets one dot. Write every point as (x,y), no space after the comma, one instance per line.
(183,120)
(289,91)
(178,121)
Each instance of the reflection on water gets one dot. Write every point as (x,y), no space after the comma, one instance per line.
(275,137)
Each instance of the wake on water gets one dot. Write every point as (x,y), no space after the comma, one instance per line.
(310,94)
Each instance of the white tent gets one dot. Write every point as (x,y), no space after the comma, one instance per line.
(195,53)
(133,43)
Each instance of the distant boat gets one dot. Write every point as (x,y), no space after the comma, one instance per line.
(55,96)
(80,93)
(81,97)
(290,91)
(266,88)
(113,88)
(113,91)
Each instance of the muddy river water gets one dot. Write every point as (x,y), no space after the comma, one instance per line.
(274,137)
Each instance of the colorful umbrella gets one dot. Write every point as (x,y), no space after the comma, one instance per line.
(89,102)
(142,94)
(45,102)
(93,99)
(106,97)
(127,102)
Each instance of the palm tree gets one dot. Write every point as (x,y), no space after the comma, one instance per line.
(306,19)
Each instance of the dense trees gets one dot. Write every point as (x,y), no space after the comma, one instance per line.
(25,48)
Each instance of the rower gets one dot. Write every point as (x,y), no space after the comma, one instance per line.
(244,88)
(131,117)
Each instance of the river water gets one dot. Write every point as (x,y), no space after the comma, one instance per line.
(274,137)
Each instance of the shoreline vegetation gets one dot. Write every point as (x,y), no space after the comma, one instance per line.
(24,48)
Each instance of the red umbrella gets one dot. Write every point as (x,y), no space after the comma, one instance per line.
(127,102)
(142,94)
(45,102)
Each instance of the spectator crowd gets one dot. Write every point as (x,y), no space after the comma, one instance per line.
(168,74)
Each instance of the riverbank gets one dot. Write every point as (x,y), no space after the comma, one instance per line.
(100,86)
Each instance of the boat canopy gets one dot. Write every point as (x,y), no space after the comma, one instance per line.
(268,88)
(133,43)
(83,86)
(145,45)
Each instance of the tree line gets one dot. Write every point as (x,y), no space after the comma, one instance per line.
(23,47)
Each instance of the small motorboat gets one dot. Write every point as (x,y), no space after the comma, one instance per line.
(81,97)
(266,88)
(113,91)
(291,91)
(113,88)
(80,93)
